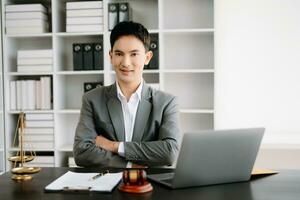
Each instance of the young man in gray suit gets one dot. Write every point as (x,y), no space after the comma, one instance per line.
(128,124)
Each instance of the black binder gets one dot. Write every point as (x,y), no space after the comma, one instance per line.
(154,64)
(88,57)
(77,57)
(98,56)
(113,15)
(88,86)
(123,12)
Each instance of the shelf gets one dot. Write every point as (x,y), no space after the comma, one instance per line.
(64,34)
(80,72)
(197,111)
(30,111)
(188,71)
(29,73)
(29,35)
(68,111)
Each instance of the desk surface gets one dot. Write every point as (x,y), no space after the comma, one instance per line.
(285,185)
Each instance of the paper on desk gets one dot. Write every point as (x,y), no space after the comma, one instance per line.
(257,171)
(73,180)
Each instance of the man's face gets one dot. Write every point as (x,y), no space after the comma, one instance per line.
(128,57)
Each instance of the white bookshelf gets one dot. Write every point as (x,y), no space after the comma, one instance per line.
(2,152)
(186,64)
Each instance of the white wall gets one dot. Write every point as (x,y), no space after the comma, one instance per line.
(257,46)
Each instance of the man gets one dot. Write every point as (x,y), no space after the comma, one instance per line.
(128,123)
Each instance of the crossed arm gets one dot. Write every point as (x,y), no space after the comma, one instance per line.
(90,148)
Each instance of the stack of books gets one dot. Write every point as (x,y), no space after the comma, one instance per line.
(34,60)
(84,16)
(39,131)
(41,161)
(30,94)
(26,19)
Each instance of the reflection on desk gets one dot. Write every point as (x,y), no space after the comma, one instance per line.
(282,186)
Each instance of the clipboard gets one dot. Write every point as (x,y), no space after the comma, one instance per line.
(84,182)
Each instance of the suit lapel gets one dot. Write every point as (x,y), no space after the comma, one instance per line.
(116,114)
(142,114)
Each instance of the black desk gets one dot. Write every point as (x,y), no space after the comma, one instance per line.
(283,186)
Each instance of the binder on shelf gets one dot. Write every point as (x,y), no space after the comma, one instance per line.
(85,13)
(77,56)
(87,57)
(88,86)
(84,20)
(98,56)
(26,15)
(85,28)
(113,15)
(154,62)
(123,12)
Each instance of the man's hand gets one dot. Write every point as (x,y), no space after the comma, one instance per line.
(106,144)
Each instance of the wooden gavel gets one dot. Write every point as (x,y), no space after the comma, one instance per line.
(134,177)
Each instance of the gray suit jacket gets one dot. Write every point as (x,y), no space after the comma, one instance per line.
(156,135)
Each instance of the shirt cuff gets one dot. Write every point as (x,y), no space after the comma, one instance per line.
(129,164)
(121,149)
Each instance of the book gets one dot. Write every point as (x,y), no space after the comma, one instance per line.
(34,61)
(39,116)
(39,53)
(154,64)
(38,95)
(38,131)
(30,93)
(19,95)
(26,30)
(77,57)
(85,13)
(25,22)
(85,28)
(87,56)
(39,123)
(40,145)
(113,15)
(25,7)
(72,181)
(26,15)
(123,12)
(45,93)
(84,5)
(24,95)
(98,56)
(84,20)
(13,95)
(37,138)
(34,68)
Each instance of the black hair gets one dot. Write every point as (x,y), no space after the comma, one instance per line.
(130,28)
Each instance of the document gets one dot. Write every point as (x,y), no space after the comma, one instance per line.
(72,181)
(256,171)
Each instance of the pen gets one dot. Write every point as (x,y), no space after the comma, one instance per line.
(99,175)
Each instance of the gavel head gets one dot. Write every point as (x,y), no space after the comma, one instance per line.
(134,177)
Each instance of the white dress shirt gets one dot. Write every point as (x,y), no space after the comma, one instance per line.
(129,112)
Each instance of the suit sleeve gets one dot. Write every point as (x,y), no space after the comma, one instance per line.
(165,150)
(86,153)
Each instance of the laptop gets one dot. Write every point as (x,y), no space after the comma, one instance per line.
(214,157)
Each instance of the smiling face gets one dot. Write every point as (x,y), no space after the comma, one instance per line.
(128,57)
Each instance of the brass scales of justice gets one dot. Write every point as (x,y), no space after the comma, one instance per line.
(19,170)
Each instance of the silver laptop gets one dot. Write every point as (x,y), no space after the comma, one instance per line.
(214,157)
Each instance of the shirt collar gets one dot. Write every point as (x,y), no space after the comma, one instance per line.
(138,91)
